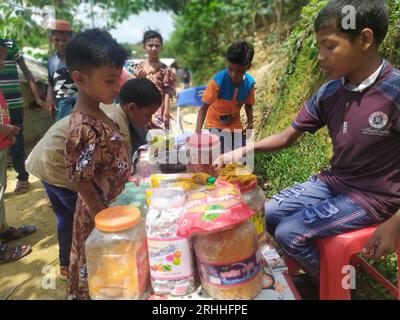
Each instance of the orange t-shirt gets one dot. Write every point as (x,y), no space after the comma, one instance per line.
(226,99)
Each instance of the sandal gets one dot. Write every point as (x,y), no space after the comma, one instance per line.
(10,254)
(22,187)
(64,273)
(17,233)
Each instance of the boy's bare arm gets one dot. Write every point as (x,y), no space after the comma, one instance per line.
(201,116)
(271,143)
(250,117)
(31,81)
(278,141)
(166,115)
(91,196)
(49,103)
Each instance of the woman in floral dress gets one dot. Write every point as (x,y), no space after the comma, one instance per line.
(156,71)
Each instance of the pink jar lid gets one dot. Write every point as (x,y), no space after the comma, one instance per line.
(202,140)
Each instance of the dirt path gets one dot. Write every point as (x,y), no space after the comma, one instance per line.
(23,279)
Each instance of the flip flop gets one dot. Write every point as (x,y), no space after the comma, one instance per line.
(22,187)
(17,233)
(10,254)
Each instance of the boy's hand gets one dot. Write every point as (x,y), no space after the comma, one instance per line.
(167,120)
(384,240)
(49,108)
(229,157)
(151,125)
(141,74)
(9,131)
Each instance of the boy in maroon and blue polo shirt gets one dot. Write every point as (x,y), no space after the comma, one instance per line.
(361,109)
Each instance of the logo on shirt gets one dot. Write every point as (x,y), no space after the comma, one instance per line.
(378,120)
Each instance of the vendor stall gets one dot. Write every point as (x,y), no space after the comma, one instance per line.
(205,232)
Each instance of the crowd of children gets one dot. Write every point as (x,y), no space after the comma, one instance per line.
(84,159)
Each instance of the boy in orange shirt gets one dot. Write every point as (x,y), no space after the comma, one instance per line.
(226,94)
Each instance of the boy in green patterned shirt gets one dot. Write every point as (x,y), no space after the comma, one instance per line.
(9,85)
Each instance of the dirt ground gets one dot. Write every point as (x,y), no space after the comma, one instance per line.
(36,275)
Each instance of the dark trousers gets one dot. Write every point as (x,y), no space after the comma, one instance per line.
(63,202)
(18,149)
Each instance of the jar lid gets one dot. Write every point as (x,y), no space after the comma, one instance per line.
(202,140)
(117,218)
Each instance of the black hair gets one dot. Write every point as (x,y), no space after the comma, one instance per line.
(240,52)
(3,43)
(151,34)
(373,14)
(93,49)
(140,91)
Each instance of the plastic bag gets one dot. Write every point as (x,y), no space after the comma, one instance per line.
(213,210)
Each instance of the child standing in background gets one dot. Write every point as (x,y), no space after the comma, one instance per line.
(62,92)
(156,71)
(226,94)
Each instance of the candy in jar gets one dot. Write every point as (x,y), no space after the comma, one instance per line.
(116,253)
(171,257)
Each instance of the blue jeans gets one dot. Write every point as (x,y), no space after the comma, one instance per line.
(18,149)
(64,107)
(63,202)
(301,214)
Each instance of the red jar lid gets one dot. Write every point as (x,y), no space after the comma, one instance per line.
(202,140)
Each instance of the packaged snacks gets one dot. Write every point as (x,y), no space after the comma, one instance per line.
(237,174)
(274,262)
(167,180)
(171,256)
(213,210)
(229,263)
(252,194)
(116,253)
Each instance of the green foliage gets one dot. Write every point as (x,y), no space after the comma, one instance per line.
(205,29)
(391,45)
(311,154)
(18,24)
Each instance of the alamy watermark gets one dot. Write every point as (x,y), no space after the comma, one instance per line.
(349,21)
(349,279)
(49,278)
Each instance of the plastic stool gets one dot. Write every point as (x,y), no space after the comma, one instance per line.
(339,251)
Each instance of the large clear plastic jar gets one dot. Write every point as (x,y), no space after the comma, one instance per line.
(203,150)
(170,256)
(255,199)
(229,263)
(117,256)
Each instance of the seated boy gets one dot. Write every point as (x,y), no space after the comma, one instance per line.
(225,95)
(361,110)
